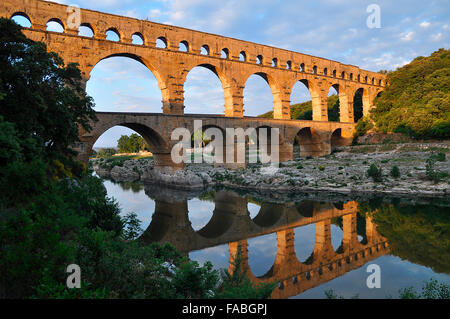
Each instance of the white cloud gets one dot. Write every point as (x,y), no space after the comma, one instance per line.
(408,36)
(436,37)
(425,24)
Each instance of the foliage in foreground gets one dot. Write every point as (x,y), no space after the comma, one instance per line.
(52,212)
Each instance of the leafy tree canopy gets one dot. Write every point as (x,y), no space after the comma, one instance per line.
(131,144)
(41,97)
(417,100)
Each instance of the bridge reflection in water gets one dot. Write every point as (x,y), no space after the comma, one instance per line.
(231,224)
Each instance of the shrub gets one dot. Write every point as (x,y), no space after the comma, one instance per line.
(395,171)
(438,157)
(375,172)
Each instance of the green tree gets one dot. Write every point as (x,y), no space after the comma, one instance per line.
(417,100)
(131,144)
(41,96)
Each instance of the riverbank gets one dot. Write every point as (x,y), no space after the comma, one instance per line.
(343,172)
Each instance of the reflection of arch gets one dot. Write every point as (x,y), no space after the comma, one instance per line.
(305,208)
(222,219)
(269,214)
(160,224)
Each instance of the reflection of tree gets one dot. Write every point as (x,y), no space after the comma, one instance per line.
(417,233)
(134,187)
(208,196)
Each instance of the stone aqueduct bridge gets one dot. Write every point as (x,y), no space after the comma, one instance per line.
(232,60)
(232,224)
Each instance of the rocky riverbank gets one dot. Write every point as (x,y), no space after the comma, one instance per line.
(345,172)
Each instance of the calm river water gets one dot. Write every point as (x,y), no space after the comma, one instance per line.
(306,244)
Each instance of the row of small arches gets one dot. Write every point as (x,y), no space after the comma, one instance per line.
(112,34)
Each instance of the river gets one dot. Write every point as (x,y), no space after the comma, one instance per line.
(308,244)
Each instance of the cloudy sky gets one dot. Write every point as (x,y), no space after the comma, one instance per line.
(334,29)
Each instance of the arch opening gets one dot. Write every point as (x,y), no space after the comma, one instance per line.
(338,140)
(22,19)
(259,59)
(358,104)
(302,67)
(333,108)
(274,62)
(308,143)
(202,145)
(112,35)
(161,43)
(86,30)
(204,93)
(55,25)
(225,53)
(125,83)
(204,50)
(258,98)
(301,104)
(137,39)
(242,56)
(183,46)
(289,65)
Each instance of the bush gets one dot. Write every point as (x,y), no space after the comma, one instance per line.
(438,157)
(395,171)
(375,172)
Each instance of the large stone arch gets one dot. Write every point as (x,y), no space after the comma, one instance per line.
(311,142)
(365,98)
(275,89)
(160,78)
(305,82)
(218,71)
(158,145)
(316,91)
(340,137)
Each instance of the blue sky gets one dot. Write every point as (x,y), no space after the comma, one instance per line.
(334,29)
